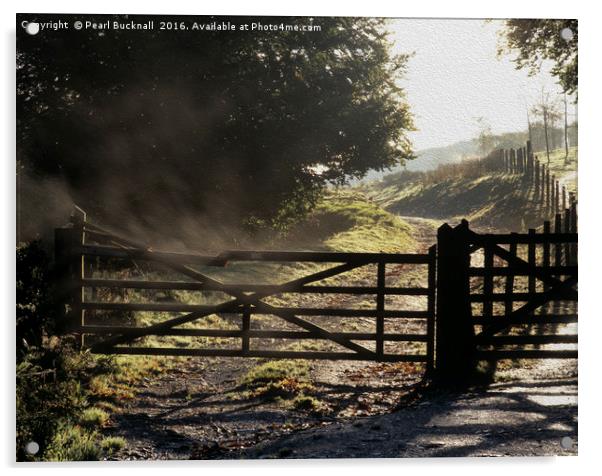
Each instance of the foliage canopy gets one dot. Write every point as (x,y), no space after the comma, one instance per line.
(237,127)
(537,40)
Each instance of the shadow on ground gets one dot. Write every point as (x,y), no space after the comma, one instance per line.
(527,418)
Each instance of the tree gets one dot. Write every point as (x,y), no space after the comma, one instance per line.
(529,127)
(566,130)
(487,140)
(168,127)
(537,40)
(549,112)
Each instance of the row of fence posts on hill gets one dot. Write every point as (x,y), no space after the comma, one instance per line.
(557,204)
(547,189)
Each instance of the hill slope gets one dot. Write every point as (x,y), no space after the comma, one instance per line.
(428,159)
(494,201)
(348,220)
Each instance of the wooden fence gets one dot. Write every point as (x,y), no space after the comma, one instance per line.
(526,288)
(548,191)
(522,286)
(83,241)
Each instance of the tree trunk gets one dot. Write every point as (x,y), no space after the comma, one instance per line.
(545,131)
(566,132)
(529,125)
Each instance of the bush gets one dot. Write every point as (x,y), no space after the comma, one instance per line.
(53,403)
(44,398)
(53,394)
(52,377)
(37,309)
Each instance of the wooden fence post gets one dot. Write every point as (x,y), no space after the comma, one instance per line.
(531,257)
(542,182)
(547,183)
(536,177)
(567,229)
(529,154)
(69,270)
(509,288)
(432,286)
(78,218)
(546,249)
(514,161)
(554,194)
(246,327)
(558,246)
(563,205)
(573,208)
(380,309)
(454,346)
(488,284)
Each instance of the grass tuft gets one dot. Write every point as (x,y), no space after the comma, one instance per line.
(276,371)
(74,443)
(113,444)
(309,403)
(279,379)
(94,418)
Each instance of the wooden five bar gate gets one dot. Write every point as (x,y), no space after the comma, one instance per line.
(485,297)
(84,241)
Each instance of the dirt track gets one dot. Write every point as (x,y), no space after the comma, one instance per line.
(527,417)
(186,415)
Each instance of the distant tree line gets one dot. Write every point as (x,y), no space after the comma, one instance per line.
(536,133)
(532,42)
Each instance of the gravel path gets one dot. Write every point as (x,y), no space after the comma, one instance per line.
(526,417)
(187,414)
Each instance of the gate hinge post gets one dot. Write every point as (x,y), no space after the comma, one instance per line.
(454,338)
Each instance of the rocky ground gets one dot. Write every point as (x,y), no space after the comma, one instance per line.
(527,416)
(383,411)
(195,411)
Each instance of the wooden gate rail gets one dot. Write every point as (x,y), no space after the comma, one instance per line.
(244,299)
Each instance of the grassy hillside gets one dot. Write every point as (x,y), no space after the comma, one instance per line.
(348,220)
(496,200)
(565,171)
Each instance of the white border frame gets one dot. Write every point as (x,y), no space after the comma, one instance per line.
(590,169)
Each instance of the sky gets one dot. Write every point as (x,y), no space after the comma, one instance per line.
(455,77)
